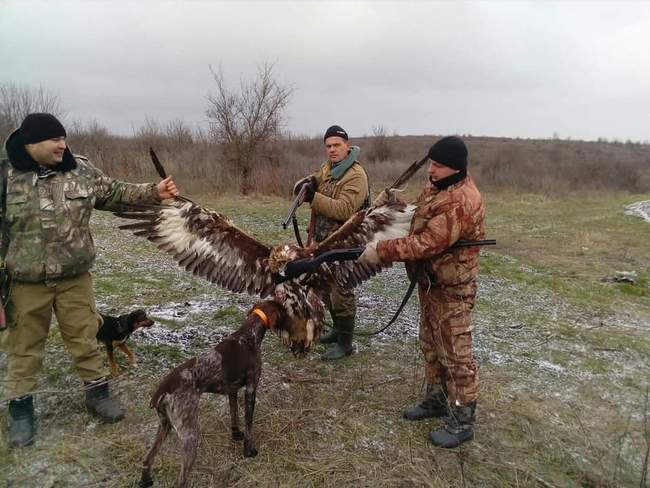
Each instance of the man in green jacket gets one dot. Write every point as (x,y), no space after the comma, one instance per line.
(48,196)
(335,192)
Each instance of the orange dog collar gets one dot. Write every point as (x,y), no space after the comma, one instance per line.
(262,316)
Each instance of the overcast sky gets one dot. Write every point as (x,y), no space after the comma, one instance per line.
(527,69)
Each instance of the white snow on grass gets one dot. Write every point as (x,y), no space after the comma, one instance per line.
(639,209)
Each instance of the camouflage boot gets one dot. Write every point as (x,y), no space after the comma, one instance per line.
(458,427)
(21,429)
(343,346)
(99,403)
(434,404)
(333,335)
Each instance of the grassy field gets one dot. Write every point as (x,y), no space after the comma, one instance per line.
(564,368)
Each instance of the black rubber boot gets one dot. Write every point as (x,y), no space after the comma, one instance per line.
(343,346)
(458,427)
(434,404)
(21,431)
(333,335)
(99,403)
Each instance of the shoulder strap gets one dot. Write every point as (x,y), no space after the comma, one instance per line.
(368,201)
(4,227)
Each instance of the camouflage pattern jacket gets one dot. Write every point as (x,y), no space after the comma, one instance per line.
(336,201)
(442,218)
(48,217)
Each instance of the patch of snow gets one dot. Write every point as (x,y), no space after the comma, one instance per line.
(551,366)
(639,209)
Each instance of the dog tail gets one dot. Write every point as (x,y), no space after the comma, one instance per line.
(170,383)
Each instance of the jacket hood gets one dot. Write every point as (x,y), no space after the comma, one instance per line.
(21,160)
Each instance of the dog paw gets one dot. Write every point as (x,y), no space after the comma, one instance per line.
(250,452)
(237,435)
(145,482)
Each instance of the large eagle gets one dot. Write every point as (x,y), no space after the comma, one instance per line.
(207,244)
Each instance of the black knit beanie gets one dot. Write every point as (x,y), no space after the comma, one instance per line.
(40,127)
(335,131)
(451,152)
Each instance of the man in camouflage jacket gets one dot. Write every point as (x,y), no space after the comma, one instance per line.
(450,208)
(335,192)
(48,198)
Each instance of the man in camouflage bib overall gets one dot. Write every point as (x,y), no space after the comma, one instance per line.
(335,193)
(49,197)
(450,208)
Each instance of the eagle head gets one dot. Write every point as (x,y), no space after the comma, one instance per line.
(281,255)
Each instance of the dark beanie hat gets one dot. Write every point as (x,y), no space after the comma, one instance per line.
(450,151)
(335,131)
(40,127)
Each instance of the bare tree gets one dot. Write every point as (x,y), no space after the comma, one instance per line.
(381,149)
(18,100)
(243,121)
(179,133)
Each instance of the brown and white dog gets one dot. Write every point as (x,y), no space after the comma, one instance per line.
(234,363)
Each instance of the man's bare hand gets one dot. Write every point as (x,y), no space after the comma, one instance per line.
(167,188)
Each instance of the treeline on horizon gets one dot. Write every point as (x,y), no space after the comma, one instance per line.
(201,166)
(245,150)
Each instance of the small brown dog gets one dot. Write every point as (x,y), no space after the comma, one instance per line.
(234,363)
(115,331)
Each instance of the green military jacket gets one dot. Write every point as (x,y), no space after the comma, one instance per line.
(48,217)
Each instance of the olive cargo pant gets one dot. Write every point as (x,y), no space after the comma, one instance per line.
(29,315)
(446,340)
(342,302)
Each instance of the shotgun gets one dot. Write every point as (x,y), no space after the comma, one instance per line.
(291,216)
(309,265)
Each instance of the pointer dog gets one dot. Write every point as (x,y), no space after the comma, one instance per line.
(234,363)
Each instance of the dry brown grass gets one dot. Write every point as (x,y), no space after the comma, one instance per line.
(548,167)
(582,422)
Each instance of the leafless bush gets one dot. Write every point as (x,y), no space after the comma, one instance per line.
(245,121)
(18,100)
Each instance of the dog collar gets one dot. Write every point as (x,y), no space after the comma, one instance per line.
(262,316)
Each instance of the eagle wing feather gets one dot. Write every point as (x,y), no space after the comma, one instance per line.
(204,243)
(389,221)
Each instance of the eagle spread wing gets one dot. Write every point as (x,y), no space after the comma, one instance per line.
(206,244)
(388,221)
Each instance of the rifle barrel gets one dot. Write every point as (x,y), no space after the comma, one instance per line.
(294,205)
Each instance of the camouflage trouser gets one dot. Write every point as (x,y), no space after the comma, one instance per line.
(446,340)
(29,314)
(342,302)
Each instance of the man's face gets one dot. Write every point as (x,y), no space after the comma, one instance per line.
(439,171)
(48,152)
(337,149)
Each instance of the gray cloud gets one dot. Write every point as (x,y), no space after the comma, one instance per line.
(495,68)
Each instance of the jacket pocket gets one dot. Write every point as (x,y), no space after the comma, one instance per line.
(79,202)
